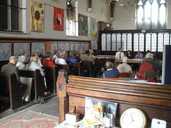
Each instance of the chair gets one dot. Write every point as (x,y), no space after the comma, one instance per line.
(16,92)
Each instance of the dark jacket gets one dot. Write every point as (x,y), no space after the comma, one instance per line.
(9,69)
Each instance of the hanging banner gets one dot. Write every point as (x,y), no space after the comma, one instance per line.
(37,16)
(58,21)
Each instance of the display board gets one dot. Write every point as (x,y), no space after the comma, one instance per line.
(5,51)
(38,47)
(21,48)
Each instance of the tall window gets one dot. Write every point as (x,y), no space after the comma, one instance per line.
(72,18)
(12,15)
(151,14)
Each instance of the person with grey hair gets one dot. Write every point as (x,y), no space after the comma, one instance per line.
(10,68)
(7,70)
(111,71)
(124,67)
(33,66)
(21,62)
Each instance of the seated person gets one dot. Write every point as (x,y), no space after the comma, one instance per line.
(87,56)
(145,69)
(10,68)
(129,54)
(124,68)
(149,54)
(60,60)
(119,54)
(139,55)
(111,71)
(7,70)
(72,58)
(48,62)
(34,65)
(21,62)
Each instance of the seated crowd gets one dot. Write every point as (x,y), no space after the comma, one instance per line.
(83,63)
(149,69)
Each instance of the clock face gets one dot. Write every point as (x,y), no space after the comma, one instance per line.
(133,118)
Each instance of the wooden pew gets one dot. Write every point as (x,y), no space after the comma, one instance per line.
(37,82)
(153,99)
(15,92)
(51,75)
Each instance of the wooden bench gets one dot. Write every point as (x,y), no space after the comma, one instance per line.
(153,99)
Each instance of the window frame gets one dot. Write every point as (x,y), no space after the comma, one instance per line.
(21,16)
(143,25)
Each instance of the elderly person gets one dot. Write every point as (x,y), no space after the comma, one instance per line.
(124,67)
(60,60)
(21,62)
(111,71)
(119,54)
(10,68)
(147,70)
(149,54)
(34,65)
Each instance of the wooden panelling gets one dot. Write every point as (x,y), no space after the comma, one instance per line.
(153,99)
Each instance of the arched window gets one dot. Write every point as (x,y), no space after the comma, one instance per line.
(151,14)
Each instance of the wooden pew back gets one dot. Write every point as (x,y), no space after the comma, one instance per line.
(154,100)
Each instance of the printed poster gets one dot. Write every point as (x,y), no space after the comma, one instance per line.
(58,21)
(82,25)
(37,16)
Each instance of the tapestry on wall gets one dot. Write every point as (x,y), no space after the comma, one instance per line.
(37,16)
(82,25)
(58,21)
(92,27)
(5,51)
(21,48)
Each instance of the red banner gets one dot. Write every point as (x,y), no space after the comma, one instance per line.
(58,22)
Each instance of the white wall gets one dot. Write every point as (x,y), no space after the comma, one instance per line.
(124,17)
(99,12)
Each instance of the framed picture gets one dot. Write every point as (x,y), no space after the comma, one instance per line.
(82,25)
(5,51)
(37,15)
(21,48)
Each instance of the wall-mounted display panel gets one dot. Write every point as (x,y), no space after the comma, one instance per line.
(5,51)
(21,48)
(38,47)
